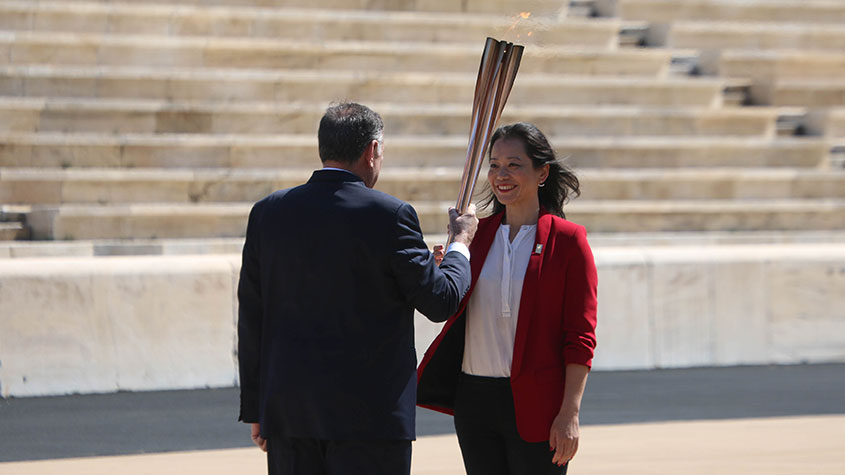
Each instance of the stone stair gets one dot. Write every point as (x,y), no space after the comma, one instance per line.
(51,150)
(827,121)
(13,222)
(110,186)
(725,35)
(784,47)
(171,220)
(10,231)
(122,116)
(134,119)
(310,25)
(39,48)
(760,64)
(667,11)
(379,86)
(448,6)
(546,7)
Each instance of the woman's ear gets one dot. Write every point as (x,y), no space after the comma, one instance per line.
(544,175)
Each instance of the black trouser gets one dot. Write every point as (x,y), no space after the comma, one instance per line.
(302,456)
(486,427)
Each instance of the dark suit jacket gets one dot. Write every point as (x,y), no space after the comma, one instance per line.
(331,274)
(555,327)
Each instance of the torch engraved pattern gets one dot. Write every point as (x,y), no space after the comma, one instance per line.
(496,74)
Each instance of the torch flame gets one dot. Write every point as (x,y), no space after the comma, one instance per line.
(516,19)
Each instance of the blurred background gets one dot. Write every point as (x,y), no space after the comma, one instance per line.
(709,136)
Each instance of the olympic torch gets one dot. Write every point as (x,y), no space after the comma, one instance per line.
(496,74)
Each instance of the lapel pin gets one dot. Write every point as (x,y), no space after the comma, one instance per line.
(538,249)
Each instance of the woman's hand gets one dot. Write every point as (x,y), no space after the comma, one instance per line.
(257,439)
(563,438)
(439,253)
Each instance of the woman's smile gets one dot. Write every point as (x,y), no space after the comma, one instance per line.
(512,175)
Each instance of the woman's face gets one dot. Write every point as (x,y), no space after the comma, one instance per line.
(512,175)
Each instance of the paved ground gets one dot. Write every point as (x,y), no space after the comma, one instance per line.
(783,419)
(807,445)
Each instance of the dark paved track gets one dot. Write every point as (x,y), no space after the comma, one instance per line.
(130,423)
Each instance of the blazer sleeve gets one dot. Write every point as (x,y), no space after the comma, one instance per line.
(435,291)
(250,313)
(579,308)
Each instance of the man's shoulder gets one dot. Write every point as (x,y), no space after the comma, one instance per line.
(372,199)
(388,201)
(273,198)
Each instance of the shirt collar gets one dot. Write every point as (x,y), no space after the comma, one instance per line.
(334,174)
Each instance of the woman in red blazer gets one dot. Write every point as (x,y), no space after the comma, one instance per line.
(512,364)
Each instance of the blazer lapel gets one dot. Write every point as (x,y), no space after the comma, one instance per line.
(481,246)
(528,300)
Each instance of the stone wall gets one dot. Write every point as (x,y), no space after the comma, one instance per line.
(84,325)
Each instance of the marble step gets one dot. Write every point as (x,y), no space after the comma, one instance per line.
(85,49)
(582,9)
(98,186)
(12,221)
(145,221)
(765,66)
(30,115)
(10,249)
(664,11)
(272,151)
(230,85)
(208,246)
(554,8)
(11,231)
(711,215)
(810,92)
(719,35)
(311,25)
(827,122)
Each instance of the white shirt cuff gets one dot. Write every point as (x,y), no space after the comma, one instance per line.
(458,247)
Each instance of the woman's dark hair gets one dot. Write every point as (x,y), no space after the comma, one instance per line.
(561,183)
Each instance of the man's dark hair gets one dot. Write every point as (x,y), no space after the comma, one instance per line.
(346,130)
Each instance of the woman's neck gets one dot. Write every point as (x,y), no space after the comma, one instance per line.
(518,216)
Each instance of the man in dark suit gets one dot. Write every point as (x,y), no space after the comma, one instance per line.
(332,271)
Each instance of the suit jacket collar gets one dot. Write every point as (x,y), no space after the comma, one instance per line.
(324,175)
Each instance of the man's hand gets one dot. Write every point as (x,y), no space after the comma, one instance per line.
(256,437)
(439,253)
(463,226)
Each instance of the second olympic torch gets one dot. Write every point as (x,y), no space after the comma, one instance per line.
(496,74)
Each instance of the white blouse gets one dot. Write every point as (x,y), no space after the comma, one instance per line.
(494,304)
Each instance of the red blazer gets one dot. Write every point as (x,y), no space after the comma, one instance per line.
(555,327)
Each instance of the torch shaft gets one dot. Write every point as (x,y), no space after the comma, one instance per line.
(496,74)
